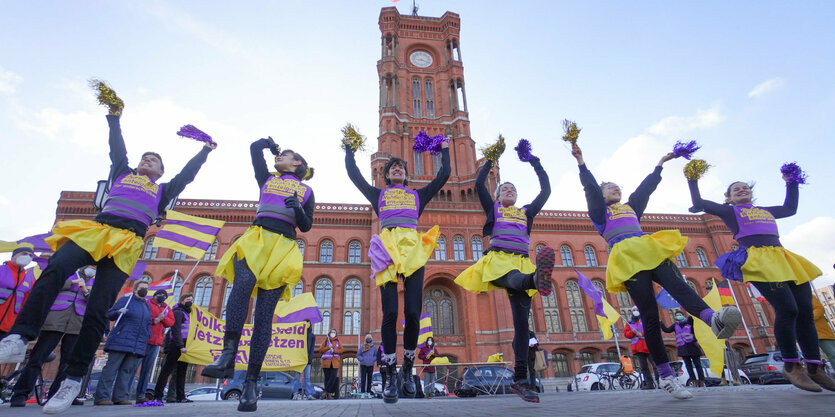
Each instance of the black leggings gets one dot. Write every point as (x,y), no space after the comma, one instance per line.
(413,303)
(237,307)
(516,283)
(640,289)
(794,322)
(47,342)
(331,381)
(694,361)
(171,364)
(644,361)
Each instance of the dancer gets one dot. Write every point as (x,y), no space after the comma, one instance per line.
(637,259)
(265,259)
(506,264)
(781,276)
(688,347)
(399,252)
(112,242)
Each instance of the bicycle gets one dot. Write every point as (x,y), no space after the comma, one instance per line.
(8,382)
(618,380)
(350,389)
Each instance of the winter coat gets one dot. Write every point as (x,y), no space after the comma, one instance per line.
(333,362)
(639,345)
(367,357)
(174,339)
(134,329)
(311,345)
(158,329)
(426,354)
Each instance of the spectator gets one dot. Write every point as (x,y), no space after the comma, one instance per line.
(533,347)
(688,347)
(427,353)
(15,283)
(125,346)
(309,392)
(366,357)
(635,330)
(380,364)
(826,338)
(330,350)
(163,318)
(175,345)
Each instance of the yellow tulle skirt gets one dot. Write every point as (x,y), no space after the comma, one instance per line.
(100,241)
(409,250)
(274,259)
(478,277)
(777,264)
(641,253)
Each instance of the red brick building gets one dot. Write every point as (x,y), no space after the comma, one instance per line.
(422,88)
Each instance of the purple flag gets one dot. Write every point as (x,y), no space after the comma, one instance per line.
(593,293)
(137,271)
(37,241)
(310,313)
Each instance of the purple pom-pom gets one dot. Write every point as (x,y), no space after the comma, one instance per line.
(685,150)
(523,149)
(424,142)
(189,131)
(150,404)
(793,173)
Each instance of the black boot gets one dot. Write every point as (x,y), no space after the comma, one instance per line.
(224,365)
(249,396)
(406,377)
(390,390)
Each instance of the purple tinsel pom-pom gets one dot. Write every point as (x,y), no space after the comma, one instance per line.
(793,173)
(189,131)
(685,150)
(424,142)
(523,149)
(150,404)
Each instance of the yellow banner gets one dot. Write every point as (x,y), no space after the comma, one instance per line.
(287,351)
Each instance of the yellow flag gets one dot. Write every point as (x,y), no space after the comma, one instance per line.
(190,235)
(496,357)
(606,323)
(714,348)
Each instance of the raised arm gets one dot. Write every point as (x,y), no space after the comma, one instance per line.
(185,177)
(667,329)
(118,153)
(484,196)
(371,193)
(426,193)
(638,200)
(594,196)
(544,189)
(710,207)
(789,207)
(304,215)
(259,164)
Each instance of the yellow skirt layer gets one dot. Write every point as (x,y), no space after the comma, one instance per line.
(100,241)
(643,253)
(777,264)
(409,250)
(274,259)
(478,278)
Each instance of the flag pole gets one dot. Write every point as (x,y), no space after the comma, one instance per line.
(165,330)
(617,344)
(192,271)
(118,319)
(747,332)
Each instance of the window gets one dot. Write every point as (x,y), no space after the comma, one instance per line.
(586,358)
(703,262)
(439,304)
(349,369)
(531,321)
(575,306)
(430,99)
(203,291)
(565,254)
(591,259)
(681,260)
(693,286)
(300,244)
(323,293)
(458,248)
(418,163)
(760,313)
(625,306)
(226,299)
(539,248)
(477,247)
(561,369)
(212,252)
(326,252)
(353,304)
(298,289)
(150,251)
(600,287)
(416,107)
(178,288)
(178,256)
(552,313)
(440,251)
(436,163)
(354,250)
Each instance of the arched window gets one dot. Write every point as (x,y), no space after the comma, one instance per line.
(323,293)
(203,292)
(440,251)
(178,288)
(565,254)
(600,287)
(552,313)
(212,252)
(300,244)
(298,289)
(430,99)
(354,252)
(625,305)
(178,256)
(326,252)
(458,248)
(575,306)
(349,369)
(436,166)
(539,248)
(477,247)
(591,258)
(418,168)
(692,285)
(586,358)
(703,262)
(416,107)
(561,368)
(226,299)
(351,323)
(440,305)
(682,260)
(353,305)
(150,251)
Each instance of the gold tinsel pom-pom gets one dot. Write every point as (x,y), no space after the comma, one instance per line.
(695,169)
(572,132)
(351,138)
(107,97)
(494,151)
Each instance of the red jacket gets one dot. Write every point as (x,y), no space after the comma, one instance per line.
(427,354)
(7,314)
(157,329)
(639,346)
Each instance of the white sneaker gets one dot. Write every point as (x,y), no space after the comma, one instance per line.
(12,349)
(62,400)
(725,321)
(671,385)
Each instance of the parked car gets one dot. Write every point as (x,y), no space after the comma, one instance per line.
(273,384)
(204,394)
(711,379)
(588,379)
(487,379)
(765,368)
(377,387)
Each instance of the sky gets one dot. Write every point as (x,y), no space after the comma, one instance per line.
(751,81)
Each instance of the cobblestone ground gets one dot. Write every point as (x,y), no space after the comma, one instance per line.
(750,400)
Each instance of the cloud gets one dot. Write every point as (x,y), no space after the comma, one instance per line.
(677,125)
(766,87)
(815,240)
(8,81)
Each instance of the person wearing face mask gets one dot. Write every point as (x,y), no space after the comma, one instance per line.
(688,347)
(125,346)
(62,325)
(175,345)
(783,277)
(309,391)
(162,318)
(330,350)
(15,284)
(426,354)
(635,330)
(366,357)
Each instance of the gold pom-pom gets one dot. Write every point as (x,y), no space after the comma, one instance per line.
(351,138)
(695,169)
(108,97)
(308,174)
(572,132)
(494,151)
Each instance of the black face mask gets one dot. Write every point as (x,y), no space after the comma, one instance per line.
(368,340)
(161,299)
(142,292)
(187,304)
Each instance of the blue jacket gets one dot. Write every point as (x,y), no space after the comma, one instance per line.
(367,358)
(134,329)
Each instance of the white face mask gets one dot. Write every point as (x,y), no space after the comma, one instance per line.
(22,261)
(333,335)
(636,313)
(430,343)
(90,272)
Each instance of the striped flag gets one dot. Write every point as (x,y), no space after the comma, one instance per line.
(299,308)
(164,284)
(725,295)
(606,314)
(190,235)
(425,329)
(754,292)
(36,242)
(137,272)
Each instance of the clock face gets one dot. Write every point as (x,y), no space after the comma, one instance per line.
(421,59)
